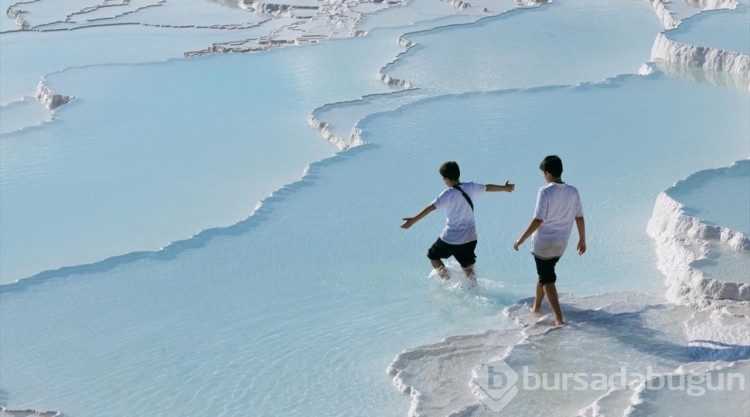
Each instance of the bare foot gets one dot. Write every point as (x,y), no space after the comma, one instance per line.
(535,310)
(559,323)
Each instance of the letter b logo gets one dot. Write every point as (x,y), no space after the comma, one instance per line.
(495,383)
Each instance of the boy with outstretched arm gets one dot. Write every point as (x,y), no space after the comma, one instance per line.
(558,206)
(459,236)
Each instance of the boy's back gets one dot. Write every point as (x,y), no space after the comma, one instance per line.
(459,236)
(460,226)
(557,205)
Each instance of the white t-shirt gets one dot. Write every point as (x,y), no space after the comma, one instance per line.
(557,205)
(459,217)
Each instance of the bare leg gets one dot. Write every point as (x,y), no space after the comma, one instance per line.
(551,291)
(469,271)
(538,299)
(439,266)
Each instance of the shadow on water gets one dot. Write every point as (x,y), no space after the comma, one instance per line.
(723,352)
(634,329)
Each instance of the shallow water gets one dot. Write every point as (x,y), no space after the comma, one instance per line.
(715,196)
(300,308)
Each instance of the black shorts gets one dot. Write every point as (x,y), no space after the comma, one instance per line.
(464,253)
(545,268)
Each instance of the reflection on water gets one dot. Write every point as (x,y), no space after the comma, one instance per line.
(700,75)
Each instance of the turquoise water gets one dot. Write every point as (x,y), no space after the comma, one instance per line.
(722,29)
(298,309)
(517,49)
(714,196)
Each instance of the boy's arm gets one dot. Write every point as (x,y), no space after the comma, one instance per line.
(507,187)
(581,225)
(409,221)
(535,223)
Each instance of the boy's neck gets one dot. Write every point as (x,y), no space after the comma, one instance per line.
(550,179)
(452,183)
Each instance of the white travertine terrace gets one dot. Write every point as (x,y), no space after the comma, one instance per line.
(700,56)
(49,98)
(682,240)
(664,9)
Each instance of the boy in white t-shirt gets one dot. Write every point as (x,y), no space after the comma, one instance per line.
(558,206)
(459,236)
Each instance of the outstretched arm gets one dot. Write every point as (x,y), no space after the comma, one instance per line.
(507,187)
(535,223)
(409,221)
(581,225)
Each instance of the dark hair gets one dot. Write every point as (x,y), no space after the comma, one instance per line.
(553,165)
(450,170)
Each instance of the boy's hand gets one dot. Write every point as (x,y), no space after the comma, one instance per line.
(408,222)
(581,247)
(509,187)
